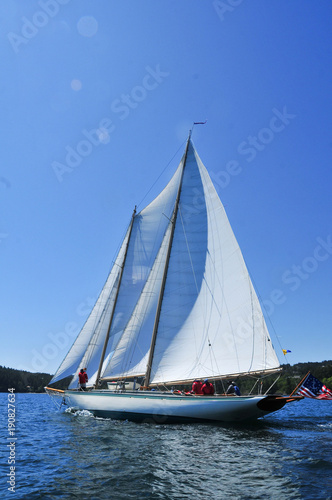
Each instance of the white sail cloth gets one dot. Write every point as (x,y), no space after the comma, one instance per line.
(147,235)
(211,323)
(139,290)
(87,348)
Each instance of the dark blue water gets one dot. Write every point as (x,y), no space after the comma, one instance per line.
(64,455)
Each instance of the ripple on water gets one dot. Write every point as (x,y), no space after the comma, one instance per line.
(74,455)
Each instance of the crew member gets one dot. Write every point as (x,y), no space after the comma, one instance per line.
(233,389)
(197,387)
(82,379)
(207,388)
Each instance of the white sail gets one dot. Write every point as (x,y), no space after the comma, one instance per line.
(178,305)
(87,348)
(131,353)
(130,335)
(211,323)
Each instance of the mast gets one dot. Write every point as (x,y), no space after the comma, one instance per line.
(115,301)
(163,283)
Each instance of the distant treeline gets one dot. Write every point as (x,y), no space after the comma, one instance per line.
(290,377)
(23,381)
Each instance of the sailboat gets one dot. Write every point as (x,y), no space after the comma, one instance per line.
(177,306)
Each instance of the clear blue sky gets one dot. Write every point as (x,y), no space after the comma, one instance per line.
(96,99)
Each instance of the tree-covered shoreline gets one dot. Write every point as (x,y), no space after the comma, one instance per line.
(291,376)
(23,381)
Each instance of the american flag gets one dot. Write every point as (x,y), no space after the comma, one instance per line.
(311,387)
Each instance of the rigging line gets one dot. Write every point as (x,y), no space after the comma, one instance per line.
(95,325)
(115,300)
(208,286)
(186,239)
(213,360)
(134,315)
(131,346)
(163,283)
(191,262)
(253,324)
(211,193)
(133,338)
(101,310)
(266,315)
(101,316)
(164,169)
(193,272)
(117,250)
(100,313)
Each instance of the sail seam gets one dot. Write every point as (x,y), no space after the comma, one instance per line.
(134,314)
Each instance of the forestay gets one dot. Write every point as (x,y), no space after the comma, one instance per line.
(210,324)
(87,348)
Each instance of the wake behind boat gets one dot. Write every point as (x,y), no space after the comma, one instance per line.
(178,305)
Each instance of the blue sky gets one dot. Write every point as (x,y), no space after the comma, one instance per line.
(97,98)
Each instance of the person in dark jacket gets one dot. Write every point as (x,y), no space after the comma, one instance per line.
(233,389)
(207,389)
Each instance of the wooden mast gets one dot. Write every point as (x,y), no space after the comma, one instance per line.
(163,283)
(115,301)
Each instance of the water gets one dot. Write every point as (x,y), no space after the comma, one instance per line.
(58,454)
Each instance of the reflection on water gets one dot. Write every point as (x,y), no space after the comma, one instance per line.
(65,455)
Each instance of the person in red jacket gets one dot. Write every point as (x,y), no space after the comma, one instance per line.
(86,375)
(82,379)
(207,388)
(197,387)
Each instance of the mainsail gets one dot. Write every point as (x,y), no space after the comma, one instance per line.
(209,323)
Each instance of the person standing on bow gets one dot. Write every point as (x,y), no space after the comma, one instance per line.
(82,379)
(86,376)
(207,389)
(197,387)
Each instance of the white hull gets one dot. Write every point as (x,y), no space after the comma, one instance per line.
(165,407)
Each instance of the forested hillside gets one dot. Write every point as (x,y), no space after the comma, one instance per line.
(23,381)
(291,376)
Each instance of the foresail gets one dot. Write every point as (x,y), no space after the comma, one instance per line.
(86,350)
(130,334)
(211,322)
(131,353)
